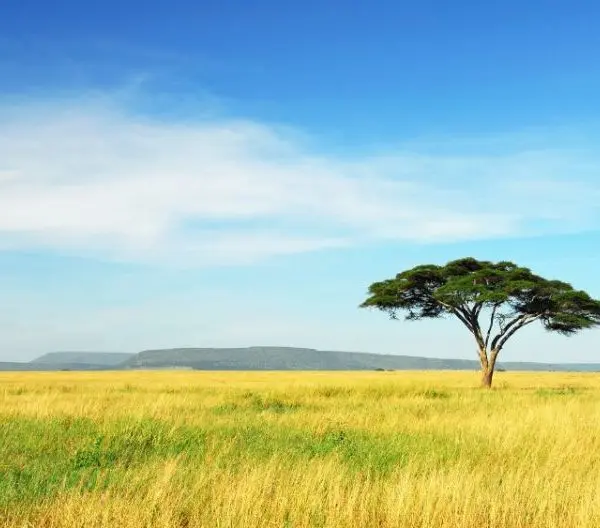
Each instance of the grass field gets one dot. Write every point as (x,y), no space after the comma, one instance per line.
(385,449)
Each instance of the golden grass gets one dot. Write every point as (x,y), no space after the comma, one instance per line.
(385,449)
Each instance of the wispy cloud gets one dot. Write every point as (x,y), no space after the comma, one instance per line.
(89,177)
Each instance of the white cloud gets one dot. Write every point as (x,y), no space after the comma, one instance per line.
(89,177)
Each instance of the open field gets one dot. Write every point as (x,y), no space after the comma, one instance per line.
(385,449)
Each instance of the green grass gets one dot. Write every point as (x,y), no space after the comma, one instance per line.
(42,457)
(311,449)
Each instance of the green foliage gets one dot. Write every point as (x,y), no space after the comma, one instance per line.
(434,291)
(470,289)
(431,291)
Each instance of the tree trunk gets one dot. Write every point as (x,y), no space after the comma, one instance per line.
(488,365)
(486,377)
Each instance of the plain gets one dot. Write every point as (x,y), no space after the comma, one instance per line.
(289,449)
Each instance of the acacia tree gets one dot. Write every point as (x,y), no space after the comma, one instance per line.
(493,300)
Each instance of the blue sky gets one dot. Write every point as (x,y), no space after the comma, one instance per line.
(237,173)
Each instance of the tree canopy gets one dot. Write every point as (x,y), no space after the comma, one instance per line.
(493,300)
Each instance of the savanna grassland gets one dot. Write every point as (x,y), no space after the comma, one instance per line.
(336,450)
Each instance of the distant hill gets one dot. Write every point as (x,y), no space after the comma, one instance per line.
(265,358)
(550,367)
(13,365)
(70,361)
(100,359)
(43,367)
(288,358)
(284,358)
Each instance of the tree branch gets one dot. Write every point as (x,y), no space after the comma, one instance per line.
(507,328)
(477,309)
(471,318)
(493,357)
(474,318)
(503,339)
(455,311)
(491,327)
